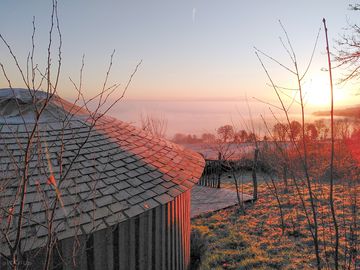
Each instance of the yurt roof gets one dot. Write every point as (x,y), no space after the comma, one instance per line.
(102,174)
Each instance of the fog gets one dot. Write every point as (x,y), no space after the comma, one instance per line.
(197,117)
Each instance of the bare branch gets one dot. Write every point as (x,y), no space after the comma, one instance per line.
(274,60)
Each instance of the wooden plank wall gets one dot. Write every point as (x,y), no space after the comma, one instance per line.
(158,239)
(211,174)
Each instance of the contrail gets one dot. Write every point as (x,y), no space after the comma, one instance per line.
(193,14)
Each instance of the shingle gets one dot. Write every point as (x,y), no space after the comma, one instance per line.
(103,160)
(110,189)
(85,195)
(115,219)
(101,167)
(132,173)
(110,173)
(134,191)
(134,182)
(134,211)
(36,218)
(37,207)
(119,206)
(157,181)
(93,194)
(97,184)
(33,197)
(122,185)
(163,198)
(87,170)
(101,212)
(131,166)
(174,192)
(181,188)
(94,226)
(149,204)
(159,189)
(118,163)
(83,187)
(104,200)
(121,170)
(141,170)
(135,200)
(122,195)
(187,184)
(70,147)
(148,194)
(167,185)
(146,178)
(110,180)
(117,167)
(87,206)
(147,185)
(59,226)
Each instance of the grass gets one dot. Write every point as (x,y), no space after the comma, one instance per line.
(229,248)
(255,240)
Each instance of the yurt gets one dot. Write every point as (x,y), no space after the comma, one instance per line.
(80,190)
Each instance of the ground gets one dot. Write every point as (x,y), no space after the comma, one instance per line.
(208,199)
(253,238)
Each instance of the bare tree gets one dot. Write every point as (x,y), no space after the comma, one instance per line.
(303,151)
(35,146)
(226,133)
(322,129)
(331,196)
(156,125)
(280,131)
(314,154)
(348,50)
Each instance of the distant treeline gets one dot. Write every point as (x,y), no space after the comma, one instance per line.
(353,112)
(317,130)
(224,134)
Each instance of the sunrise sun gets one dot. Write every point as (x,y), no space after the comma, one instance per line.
(317,92)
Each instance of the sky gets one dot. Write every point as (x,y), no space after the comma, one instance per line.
(190,49)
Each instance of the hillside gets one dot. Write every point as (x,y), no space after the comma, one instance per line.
(347,112)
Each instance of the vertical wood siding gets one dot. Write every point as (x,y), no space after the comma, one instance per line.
(158,239)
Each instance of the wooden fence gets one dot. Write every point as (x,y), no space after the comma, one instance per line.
(211,176)
(214,169)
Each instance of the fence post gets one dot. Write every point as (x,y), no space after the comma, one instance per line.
(219,170)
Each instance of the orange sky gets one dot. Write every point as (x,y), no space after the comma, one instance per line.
(191,50)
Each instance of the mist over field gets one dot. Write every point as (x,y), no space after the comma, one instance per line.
(197,117)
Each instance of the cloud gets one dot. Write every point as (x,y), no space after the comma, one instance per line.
(193,14)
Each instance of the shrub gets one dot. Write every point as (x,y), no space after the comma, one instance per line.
(198,247)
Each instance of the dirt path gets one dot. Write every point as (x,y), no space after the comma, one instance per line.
(206,199)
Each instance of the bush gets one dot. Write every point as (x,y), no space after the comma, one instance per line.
(198,247)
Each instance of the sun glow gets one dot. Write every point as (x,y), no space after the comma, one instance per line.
(317,92)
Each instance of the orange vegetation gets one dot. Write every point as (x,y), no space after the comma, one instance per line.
(255,239)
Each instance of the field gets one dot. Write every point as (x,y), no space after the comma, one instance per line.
(251,237)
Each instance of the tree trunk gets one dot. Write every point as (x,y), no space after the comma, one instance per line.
(285,176)
(254,176)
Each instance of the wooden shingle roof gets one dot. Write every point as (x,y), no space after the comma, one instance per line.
(98,175)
